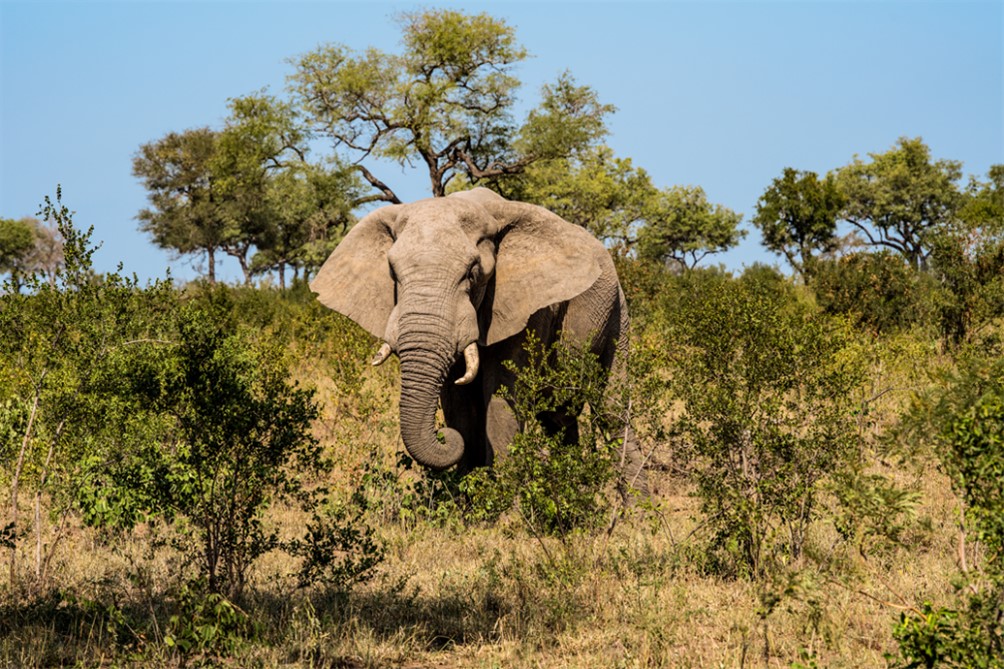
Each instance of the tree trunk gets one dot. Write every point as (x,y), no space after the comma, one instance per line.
(211,255)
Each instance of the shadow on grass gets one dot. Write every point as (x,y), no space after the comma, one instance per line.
(327,629)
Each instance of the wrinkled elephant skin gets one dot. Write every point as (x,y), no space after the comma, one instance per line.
(452,286)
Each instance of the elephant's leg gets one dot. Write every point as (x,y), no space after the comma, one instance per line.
(501,427)
(631,461)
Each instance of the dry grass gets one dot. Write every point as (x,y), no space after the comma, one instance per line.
(483,597)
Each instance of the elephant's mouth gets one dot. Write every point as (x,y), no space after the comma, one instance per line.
(472,361)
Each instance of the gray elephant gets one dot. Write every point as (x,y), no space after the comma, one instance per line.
(453,285)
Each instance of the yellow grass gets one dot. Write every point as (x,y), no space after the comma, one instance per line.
(497,596)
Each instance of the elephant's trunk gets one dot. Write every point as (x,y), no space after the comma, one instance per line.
(423,371)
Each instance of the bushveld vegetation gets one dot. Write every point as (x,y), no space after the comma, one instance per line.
(208,475)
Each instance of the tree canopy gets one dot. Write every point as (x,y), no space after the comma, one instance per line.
(900,197)
(246,187)
(797,216)
(446,102)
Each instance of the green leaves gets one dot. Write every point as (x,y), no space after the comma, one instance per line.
(899,198)
(683,227)
(797,216)
(767,385)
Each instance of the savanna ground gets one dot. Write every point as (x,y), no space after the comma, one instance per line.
(663,582)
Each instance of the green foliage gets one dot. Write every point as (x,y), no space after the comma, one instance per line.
(767,384)
(133,404)
(207,625)
(244,439)
(444,101)
(591,187)
(879,291)
(797,216)
(900,198)
(554,476)
(183,217)
(682,227)
(942,637)
(338,549)
(968,259)
(58,343)
(968,420)
(247,186)
(566,127)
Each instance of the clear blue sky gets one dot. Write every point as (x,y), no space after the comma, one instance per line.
(723,95)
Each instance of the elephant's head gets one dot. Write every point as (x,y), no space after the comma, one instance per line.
(438,278)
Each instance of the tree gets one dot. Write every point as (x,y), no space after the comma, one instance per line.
(797,216)
(592,188)
(28,246)
(444,102)
(17,239)
(184,215)
(967,256)
(682,227)
(240,189)
(900,198)
(309,208)
(261,137)
(768,385)
(60,344)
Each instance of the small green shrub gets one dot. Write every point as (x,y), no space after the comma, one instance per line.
(768,386)
(556,481)
(879,291)
(968,421)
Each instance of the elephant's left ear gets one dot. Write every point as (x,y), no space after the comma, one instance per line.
(542,260)
(355,280)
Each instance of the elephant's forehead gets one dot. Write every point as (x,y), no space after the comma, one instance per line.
(440,215)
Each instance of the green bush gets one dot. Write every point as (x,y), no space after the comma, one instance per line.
(768,387)
(556,480)
(967,419)
(879,291)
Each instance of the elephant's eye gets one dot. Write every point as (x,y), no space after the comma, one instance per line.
(474,272)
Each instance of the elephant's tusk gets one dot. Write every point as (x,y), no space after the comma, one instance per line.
(472,360)
(381,355)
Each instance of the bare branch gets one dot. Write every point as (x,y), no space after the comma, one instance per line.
(386,194)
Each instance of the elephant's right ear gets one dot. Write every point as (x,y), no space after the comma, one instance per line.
(355,280)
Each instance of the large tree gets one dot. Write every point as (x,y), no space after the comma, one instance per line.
(245,188)
(681,227)
(184,215)
(308,212)
(260,139)
(900,198)
(444,102)
(797,216)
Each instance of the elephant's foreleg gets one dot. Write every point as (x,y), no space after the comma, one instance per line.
(501,427)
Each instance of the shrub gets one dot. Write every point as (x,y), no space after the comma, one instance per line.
(879,291)
(556,478)
(768,386)
(968,420)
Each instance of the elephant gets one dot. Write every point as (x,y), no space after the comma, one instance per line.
(453,285)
